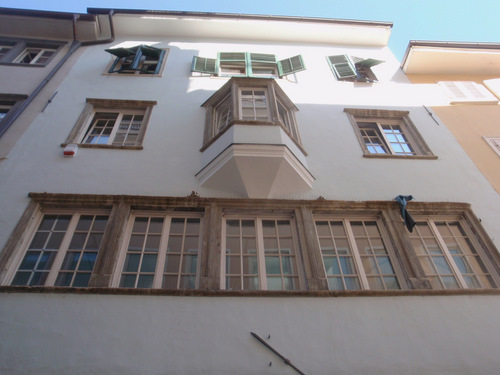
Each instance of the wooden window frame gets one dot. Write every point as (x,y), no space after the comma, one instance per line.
(162,251)
(260,254)
(346,219)
(20,46)
(63,249)
(138,58)
(93,106)
(13,101)
(399,118)
(232,89)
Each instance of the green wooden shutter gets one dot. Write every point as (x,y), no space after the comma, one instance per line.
(262,58)
(235,59)
(121,53)
(342,66)
(291,65)
(366,63)
(204,65)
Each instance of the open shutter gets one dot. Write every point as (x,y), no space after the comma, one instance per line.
(264,58)
(342,66)
(291,65)
(204,65)
(129,54)
(367,63)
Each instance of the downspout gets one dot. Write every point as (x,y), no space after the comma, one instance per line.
(74,46)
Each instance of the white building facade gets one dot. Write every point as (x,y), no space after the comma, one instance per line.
(204,176)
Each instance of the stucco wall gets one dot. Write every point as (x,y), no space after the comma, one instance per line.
(170,159)
(111,334)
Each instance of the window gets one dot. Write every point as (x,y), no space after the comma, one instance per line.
(384,133)
(112,124)
(162,251)
(247,64)
(449,254)
(349,68)
(8,106)
(467,92)
(260,254)
(137,60)
(494,142)
(258,100)
(355,255)
(37,53)
(63,250)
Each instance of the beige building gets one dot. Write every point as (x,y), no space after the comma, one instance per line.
(465,81)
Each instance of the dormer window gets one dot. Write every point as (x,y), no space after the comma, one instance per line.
(249,101)
(137,60)
(350,68)
(246,64)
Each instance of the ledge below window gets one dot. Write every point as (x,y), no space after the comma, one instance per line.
(89,145)
(246,293)
(389,156)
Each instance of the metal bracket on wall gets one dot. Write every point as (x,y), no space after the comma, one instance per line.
(286,360)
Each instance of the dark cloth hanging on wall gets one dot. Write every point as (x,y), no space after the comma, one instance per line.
(408,220)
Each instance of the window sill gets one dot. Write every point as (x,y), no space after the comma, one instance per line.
(253,293)
(25,65)
(390,156)
(131,75)
(86,145)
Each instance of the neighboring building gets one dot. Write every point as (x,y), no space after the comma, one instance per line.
(467,75)
(203,176)
(37,49)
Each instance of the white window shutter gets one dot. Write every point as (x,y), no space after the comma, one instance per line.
(467,92)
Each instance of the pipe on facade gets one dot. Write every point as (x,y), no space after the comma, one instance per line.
(74,46)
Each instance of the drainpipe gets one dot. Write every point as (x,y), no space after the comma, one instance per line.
(74,46)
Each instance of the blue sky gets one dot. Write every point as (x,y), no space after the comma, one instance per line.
(444,20)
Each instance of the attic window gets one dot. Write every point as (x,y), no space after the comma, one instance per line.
(137,60)
(246,64)
(467,92)
(350,68)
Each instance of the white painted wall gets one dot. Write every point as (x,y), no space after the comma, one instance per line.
(111,334)
(171,157)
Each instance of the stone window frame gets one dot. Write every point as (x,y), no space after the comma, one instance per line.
(401,118)
(93,106)
(232,89)
(494,143)
(313,279)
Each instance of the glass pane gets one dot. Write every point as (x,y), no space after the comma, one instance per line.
(148,263)
(335,283)
(269,228)
(39,240)
(250,265)
(338,229)
(248,227)
(136,242)
(391,282)
(64,279)
(232,227)
(55,240)
(45,261)
(127,281)
(145,281)
(156,225)
(152,243)
(84,223)
(140,225)
(187,282)
(193,226)
(169,282)
(351,283)
(233,265)
(29,260)
(94,241)
(174,244)
(270,246)
(232,246)
(342,246)
(249,246)
(177,226)
(189,263)
(442,265)
(375,283)
(284,228)
(326,246)
(81,280)
(331,266)
(385,265)
(172,263)
(287,265)
(250,283)
(132,263)
(273,266)
(369,265)
(450,282)
(274,283)
(347,266)
(191,244)
(234,283)
(87,261)
(323,228)
(363,246)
